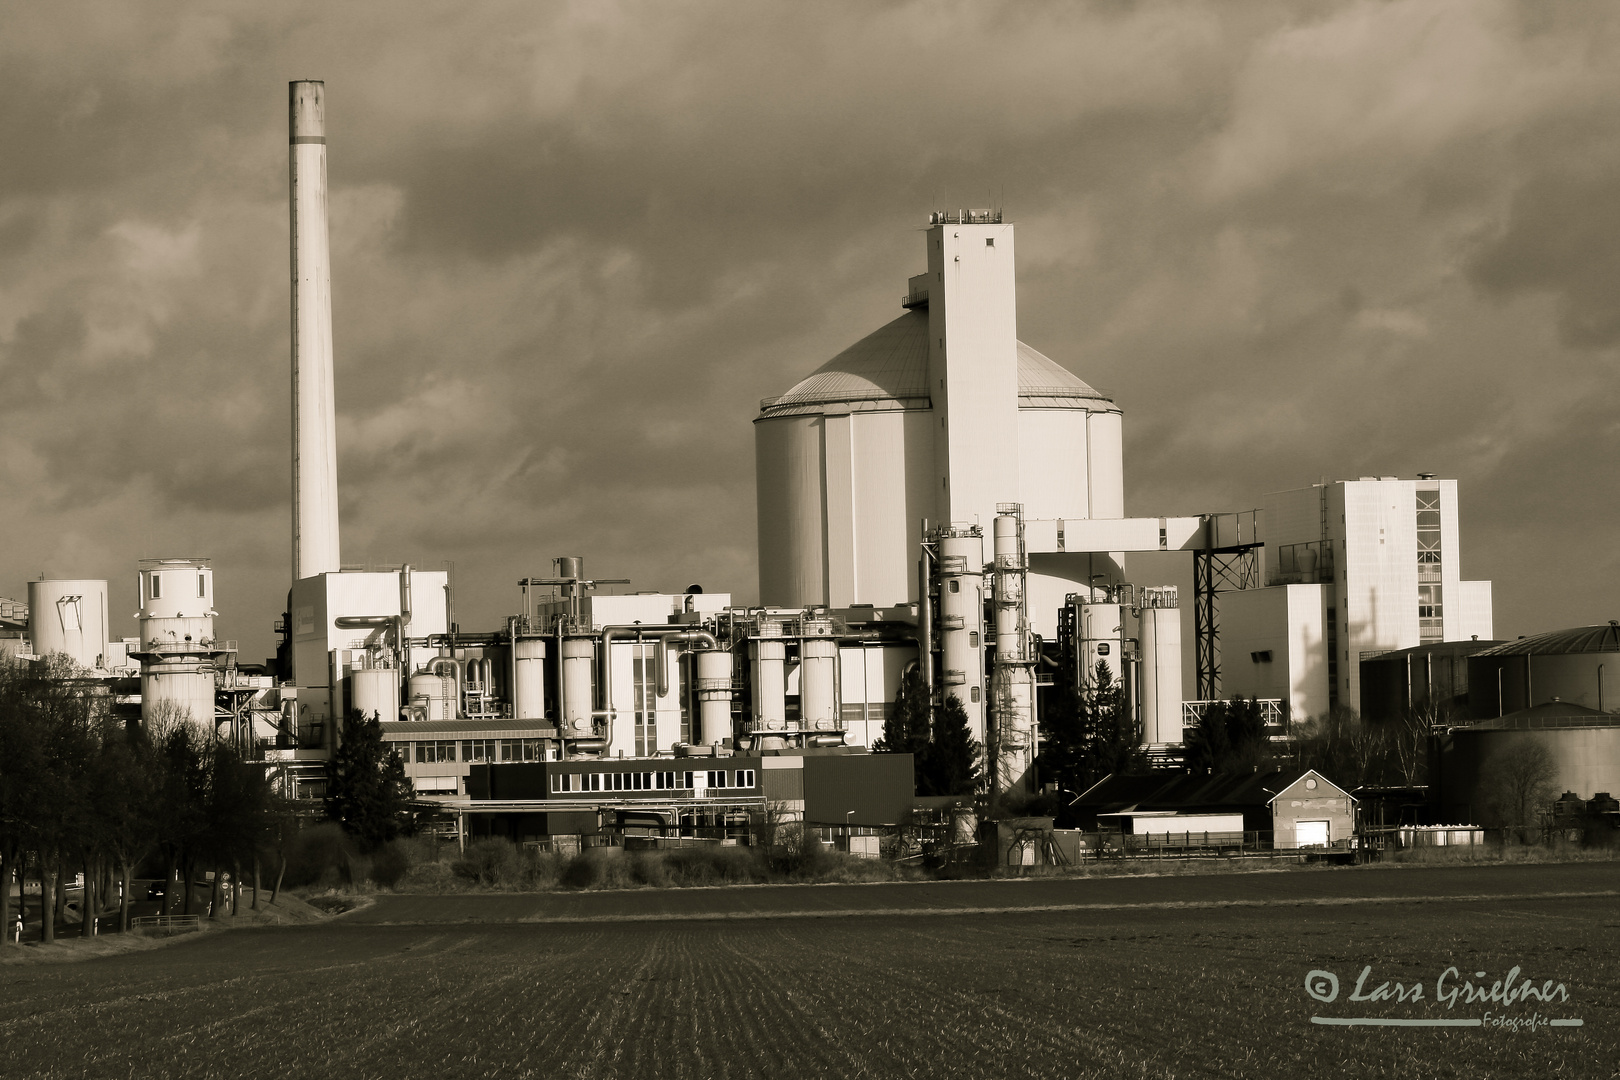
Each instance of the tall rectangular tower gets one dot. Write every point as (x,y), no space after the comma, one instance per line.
(973,364)
(1384,552)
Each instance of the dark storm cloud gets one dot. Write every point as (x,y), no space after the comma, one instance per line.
(1563,238)
(573,245)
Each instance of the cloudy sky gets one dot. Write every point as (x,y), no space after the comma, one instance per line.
(573,245)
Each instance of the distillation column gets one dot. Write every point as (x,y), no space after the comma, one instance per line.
(961,621)
(1012,684)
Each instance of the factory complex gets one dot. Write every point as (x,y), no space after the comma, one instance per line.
(939,502)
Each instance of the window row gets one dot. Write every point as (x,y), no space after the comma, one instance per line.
(488,750)
(652,781)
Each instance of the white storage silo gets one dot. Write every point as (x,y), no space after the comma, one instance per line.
(818,670)
(375,691)
(69,616)
(578,663)
(529,692)
(714,697)
(1159,630)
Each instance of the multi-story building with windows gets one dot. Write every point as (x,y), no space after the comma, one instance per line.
(1353,569)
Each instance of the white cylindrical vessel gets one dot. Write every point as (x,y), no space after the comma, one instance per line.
(375,692)
(770,683)
(1160,633)
(714,697)
(529,694)
(69,616)
(178,690)
(177,641)
(436,693)
(314,416)
(961,618)
(818,671)
(1101,636)
(578,663)
(177,604)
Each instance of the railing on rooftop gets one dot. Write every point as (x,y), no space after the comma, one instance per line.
(965,217)
(1272,714)
(1541,723)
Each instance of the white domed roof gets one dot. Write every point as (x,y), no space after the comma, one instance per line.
(888,370)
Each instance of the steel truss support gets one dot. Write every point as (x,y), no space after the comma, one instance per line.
(1217,570)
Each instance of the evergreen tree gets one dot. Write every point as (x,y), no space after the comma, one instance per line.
(1230,737)
(949,762)
(367,791)
(1113,743)
(905,729)
(945,756)
(1089,733)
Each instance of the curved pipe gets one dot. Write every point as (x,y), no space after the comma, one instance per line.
(664,635)
(436,666)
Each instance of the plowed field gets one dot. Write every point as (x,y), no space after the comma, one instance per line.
(1189,977)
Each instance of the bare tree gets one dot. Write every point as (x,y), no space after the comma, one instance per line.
(1516,784)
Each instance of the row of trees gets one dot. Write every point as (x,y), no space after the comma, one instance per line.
(82,792)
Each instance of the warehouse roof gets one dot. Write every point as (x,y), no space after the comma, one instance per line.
(887,370)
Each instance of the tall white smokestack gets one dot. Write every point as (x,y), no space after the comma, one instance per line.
(315,506)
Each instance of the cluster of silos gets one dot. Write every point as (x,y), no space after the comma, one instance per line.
(772,638)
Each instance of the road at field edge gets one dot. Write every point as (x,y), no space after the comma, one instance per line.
(1362,885)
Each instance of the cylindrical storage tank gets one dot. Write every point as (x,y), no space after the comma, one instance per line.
(961,619)
(529,695)
(69,616)
(818,701)
(1160,675)
(375,691)
(578,663)
(792,521)
(1102,630)
(569,566)
(1579,666)
(770,684)
(437,692)
(714,697)
(178,690)
(1106,463)
(1484,770)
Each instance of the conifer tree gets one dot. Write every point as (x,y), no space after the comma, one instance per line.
(367,791)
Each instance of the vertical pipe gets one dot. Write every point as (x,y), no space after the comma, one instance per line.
(925,616)
(314,436)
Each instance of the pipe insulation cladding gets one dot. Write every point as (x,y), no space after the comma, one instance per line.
(314,420)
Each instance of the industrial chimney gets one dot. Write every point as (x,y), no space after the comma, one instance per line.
(314,442)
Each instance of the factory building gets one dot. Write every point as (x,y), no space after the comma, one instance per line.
(1354,569)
